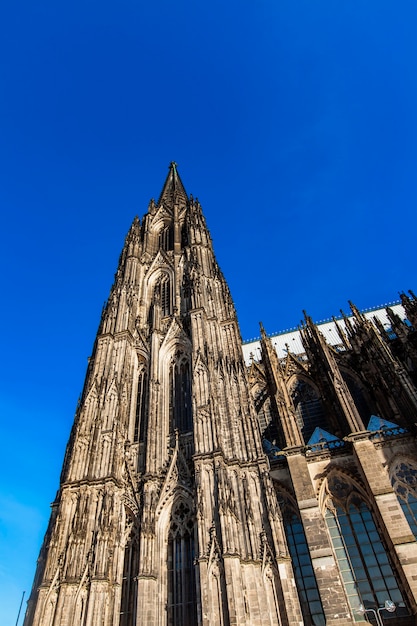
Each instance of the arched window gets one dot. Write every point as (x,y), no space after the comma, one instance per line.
(141,406)
(358,395)
(181,408)
(182,602)
(363,560)
(266,418)
(308,408)
(130,573)
(166,238)
(404,481)
(161,297)
(165,291)
(305,579)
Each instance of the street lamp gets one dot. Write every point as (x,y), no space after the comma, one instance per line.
(361,610)
(389,606)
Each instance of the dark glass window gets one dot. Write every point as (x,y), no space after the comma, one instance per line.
(308,409)
(305,578)
(404,481)
(364,563)
(358,397)
(129,582)
(181,604)
(165,290)
(264,411)
(141,407)
(181,408)
(166,238)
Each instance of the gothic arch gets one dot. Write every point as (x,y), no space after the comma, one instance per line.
(365,565)
(166,237)
(130,568)
(308,406)
(175,346)
(161,266)
(161,287)
(359,393)
(160,223)
(335,475)
(403,475)
(140,409)
(179,398)
(176,545)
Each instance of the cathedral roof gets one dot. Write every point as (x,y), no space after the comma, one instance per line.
(291,339)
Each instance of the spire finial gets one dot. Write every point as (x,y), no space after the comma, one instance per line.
(173,189)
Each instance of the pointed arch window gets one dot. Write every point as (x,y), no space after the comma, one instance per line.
(141,406)
(358,395)
(181,408)
(308,408)
(404,482)
(182,602)
(166,238)
(165,293)
(130,572)
(364,563)
(305,578)
(266,416)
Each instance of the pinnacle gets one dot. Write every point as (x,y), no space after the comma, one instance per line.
(173,191)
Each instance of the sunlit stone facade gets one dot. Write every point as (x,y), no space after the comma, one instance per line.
(202,487)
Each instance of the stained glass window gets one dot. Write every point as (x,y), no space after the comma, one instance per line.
(404,481)
(303,568)
(364,563)
(181,605)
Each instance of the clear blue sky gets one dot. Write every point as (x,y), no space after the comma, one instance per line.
(293,121)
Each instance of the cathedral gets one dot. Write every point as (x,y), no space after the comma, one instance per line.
(206,484)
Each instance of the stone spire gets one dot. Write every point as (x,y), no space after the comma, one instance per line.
(165,463)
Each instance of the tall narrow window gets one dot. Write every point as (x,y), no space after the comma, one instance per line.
(308,409)
(305,578)
(165,291)
(264,411)
(181,409)
(130,572)
(359,397)
(141,407)
(166,238)
(404,481)
(181,605)
(364,562)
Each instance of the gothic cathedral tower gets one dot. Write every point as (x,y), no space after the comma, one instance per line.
(166,514)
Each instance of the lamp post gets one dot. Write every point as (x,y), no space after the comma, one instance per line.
(361,610)
(389,606)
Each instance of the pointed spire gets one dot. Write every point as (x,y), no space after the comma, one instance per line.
(356,313)
(341,334)
(173,191)
(410,306)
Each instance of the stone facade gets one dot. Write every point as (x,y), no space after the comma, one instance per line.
(197,490)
